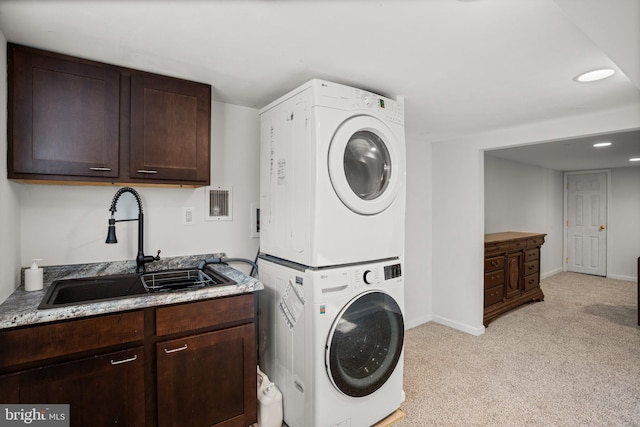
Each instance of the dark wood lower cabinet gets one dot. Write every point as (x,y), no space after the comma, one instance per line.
(201,379)
(511,272)
(191,364)
(103,390)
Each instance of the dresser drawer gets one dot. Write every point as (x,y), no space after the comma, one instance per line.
(203,314)
(493,295)
(494,278)
(535,242)
(531,267)
(495,263)
(531,281)
(531,254)
(500,247)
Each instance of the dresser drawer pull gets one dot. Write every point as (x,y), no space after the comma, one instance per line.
(495,263)
(173,350)
(531,267)
(100,169)
(130,359)
(148,171)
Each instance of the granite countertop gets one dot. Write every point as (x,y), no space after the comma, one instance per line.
(21,308)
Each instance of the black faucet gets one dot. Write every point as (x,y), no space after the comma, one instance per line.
(141,258)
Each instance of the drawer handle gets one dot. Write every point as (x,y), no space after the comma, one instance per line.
(495,263)
(173,350)
(149,171)
(531,267)
(100,169)
(119,362)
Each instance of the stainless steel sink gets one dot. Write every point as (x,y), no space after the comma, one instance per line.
(76,291)
(107,288)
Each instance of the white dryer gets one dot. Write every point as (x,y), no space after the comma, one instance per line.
(332,180)
(332,341)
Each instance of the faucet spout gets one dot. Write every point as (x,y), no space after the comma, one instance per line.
(141,258)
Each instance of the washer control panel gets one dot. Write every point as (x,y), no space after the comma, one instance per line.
(392,271)
(387,108)
(374,274)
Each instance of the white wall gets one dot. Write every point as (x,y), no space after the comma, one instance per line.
(68,224)
(418,251)
(458,206)
(9,209)
(624,224)
(520,197)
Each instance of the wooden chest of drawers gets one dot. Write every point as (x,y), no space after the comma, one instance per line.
(511,271)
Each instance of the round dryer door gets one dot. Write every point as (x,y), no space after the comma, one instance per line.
(364,165)
(364,344)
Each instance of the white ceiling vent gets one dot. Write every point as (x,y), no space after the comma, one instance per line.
(218,203)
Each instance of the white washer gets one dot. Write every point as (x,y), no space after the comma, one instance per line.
(332,180)
(332,341)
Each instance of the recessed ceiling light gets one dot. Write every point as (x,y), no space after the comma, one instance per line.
(634,159)
(595,75)
(602,144)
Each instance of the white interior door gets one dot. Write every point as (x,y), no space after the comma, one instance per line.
(587,223)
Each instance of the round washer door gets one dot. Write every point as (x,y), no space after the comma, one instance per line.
(364,165)
(364,344)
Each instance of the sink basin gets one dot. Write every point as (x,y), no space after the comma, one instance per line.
(76,291)
(107,288)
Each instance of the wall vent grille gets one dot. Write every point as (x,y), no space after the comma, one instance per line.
(218,203)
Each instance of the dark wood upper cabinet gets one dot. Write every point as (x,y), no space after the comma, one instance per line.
(63,116)
(169,128)
(72,119)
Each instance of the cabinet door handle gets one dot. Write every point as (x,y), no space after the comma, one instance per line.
(130,359)
(173,350)
(100,169)
(149,171)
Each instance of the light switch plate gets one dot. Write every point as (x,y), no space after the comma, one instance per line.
(187,216)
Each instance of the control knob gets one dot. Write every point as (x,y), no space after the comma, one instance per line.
(368,277)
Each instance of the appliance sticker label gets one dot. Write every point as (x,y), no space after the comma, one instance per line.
(282,171)
(292,303)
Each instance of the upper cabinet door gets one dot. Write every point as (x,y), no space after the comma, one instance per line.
(63,115)
(170,129)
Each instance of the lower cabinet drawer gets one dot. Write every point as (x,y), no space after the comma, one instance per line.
(494,278)
(493,295)
(531,281)
(203,314)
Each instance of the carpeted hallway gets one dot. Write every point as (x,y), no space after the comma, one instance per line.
(572,360)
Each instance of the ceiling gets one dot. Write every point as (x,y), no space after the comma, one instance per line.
(463,66)
(579,153)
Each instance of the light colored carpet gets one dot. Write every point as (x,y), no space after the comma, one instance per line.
(572,360)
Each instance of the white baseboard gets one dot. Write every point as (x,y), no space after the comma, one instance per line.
(550,273)
(419,321)
(473,330)
(446,322)
(620,277)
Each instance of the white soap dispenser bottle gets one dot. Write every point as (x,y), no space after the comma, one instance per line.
(33,277)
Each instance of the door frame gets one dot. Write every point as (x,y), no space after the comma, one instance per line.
(565,219)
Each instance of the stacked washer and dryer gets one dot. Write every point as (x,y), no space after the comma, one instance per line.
(332,204)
